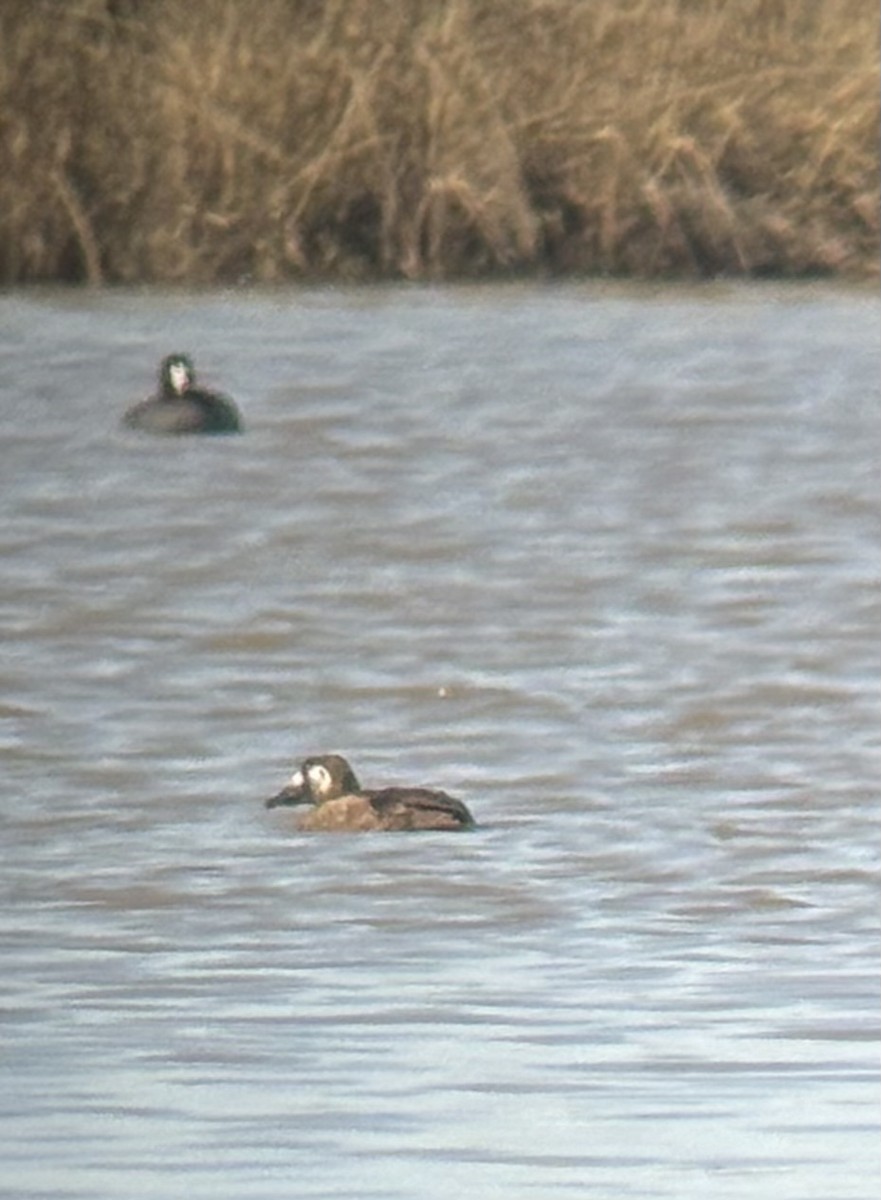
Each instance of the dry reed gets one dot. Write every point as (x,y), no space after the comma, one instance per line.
(220,141)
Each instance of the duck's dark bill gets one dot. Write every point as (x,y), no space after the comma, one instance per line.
(290,796)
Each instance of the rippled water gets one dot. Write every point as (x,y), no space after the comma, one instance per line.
(602,562)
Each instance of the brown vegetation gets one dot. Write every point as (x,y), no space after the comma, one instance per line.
(221,140)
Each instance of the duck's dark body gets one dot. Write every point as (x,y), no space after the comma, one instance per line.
(197,412)
(338,803)
(179,407)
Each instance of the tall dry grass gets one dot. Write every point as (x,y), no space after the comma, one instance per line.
(219,140)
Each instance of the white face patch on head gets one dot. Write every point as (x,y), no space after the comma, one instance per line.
(319,778)
(297,779)
(179,377)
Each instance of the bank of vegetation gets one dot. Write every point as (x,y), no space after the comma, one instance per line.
(217,140)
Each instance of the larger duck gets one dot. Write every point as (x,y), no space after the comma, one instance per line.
(181,407)
(327,786)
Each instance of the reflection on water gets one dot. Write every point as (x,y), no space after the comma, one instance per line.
(601,562)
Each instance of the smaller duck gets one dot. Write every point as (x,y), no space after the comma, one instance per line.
(338,802)
(181,407)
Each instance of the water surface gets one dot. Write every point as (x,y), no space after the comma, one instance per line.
(601,561)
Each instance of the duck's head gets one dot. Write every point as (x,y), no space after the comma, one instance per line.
(322,777)
(176,374)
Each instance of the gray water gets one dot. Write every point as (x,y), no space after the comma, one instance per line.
(603,562)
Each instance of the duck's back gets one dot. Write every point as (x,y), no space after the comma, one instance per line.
(196,412)
(419,808)
(392,809)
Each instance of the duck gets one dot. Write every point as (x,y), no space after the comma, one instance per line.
(328,786)
(180,406)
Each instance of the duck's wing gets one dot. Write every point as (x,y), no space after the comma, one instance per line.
(221,414)
(419,808)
